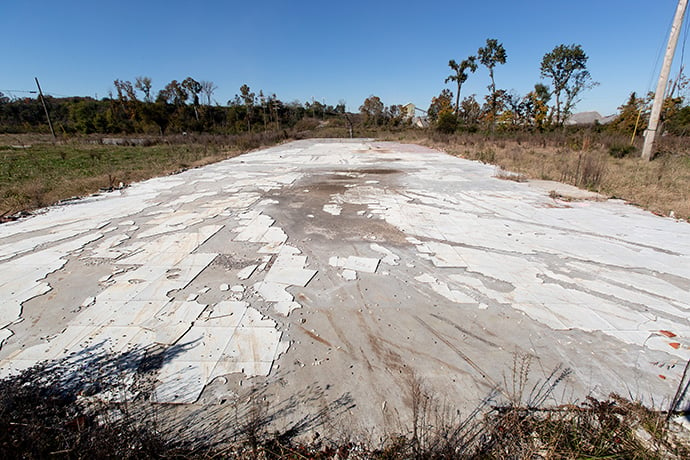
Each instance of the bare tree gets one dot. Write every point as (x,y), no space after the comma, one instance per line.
(207,89)
(143,84)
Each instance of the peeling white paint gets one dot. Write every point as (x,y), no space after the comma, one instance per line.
(21,278)
(600,270)
(355,263)
(349,275)
(285,308)
(4,335)
(239,341)
(246,272)
(533,256)
(390,258)
(273,292)
(332,209)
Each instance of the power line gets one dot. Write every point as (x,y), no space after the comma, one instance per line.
(660,52)
(19,91)
(685,40)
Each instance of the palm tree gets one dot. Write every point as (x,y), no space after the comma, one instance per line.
(461,75)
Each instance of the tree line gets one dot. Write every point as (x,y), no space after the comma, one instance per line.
(565,66)
(548,105)
(188,105)
(180,106)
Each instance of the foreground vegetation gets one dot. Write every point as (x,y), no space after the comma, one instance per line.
(53,411)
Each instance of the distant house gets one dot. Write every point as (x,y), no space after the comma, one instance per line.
(420,122)
(410,111)
(588,118)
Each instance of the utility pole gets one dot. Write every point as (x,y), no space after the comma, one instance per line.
(45,107)
(650,133)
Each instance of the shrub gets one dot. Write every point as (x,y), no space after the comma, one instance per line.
(447,122)
(307,124)
(621,151)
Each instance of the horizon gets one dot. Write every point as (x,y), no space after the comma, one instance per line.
(329,53)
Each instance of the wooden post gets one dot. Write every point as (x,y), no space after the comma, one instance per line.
(45,107)
(650,133)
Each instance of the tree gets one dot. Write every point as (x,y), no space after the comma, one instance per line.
(396,115)
(490,55)
(143,84)
(470,110)
(158,113)
(536,106)
(194,87)
(566,66)
(679,123)
(125,90)
(442,102)
(460,75)
(630,117)
(127,100)
(372,109)
(248,97)
(493,109)
(173,93)
(516,108)
(208,88)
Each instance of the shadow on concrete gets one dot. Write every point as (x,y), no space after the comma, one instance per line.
(87,403)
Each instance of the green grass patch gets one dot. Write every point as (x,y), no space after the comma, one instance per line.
(41,174)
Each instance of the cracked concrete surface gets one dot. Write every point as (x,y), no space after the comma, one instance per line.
(352,267)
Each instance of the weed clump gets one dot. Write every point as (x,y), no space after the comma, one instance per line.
(621,151)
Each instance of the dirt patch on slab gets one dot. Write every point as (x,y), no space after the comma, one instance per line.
(303,206)
(327,187)
(380,171)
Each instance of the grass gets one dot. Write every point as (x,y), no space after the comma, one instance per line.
(35,172)
(583,159)
(54,411)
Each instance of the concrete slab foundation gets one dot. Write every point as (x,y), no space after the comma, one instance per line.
(325,271)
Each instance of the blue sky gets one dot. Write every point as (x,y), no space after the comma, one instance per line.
(330,51)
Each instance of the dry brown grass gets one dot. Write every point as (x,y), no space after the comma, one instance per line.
(661,186)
